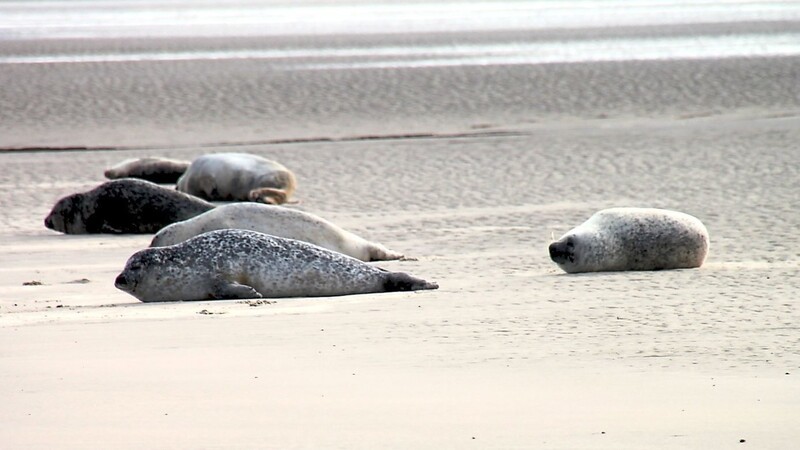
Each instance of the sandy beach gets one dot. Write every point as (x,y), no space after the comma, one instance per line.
(470,169)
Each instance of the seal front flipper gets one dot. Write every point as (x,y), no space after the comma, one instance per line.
(106,228)
(232,290)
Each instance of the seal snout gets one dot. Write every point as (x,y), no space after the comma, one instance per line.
(121,282)
(561,251)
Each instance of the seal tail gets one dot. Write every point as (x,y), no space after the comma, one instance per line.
(399,281)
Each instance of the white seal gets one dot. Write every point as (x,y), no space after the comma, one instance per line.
(632,239)
(233,264)
(277,221)
(238,177)
(155,169)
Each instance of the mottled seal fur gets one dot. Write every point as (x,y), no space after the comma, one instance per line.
(123,206)
(277,221)
(238,177)
(232,264)
(632,239)
(157,170)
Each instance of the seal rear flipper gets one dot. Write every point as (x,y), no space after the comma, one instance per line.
(399,281)
(378,252)
(269,196)
(231,290)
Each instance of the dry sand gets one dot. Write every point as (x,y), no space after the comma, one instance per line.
(509,352)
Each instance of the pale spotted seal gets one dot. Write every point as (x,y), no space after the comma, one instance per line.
(123,206)
(277,221)
(232,264)
(157,170)
(238,177)
(632,239)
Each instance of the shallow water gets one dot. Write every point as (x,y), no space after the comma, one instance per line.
(182,19)
(507,53)
(114,19)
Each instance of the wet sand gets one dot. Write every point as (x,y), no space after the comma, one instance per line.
(509,352)
(208,101)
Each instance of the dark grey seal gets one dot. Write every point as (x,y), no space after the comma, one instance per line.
(234,264)
(123,206)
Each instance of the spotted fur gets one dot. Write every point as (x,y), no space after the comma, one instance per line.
(227,264)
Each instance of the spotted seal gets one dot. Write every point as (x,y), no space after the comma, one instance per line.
(234,264)
(238,177)
(277,221)
(155,169)
(632,239)
(123,206)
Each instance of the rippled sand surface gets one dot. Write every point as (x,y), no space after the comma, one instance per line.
(470,170)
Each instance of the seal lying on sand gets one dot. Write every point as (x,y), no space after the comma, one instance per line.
(231,264)
(157,170)
(238,177)
(277,221)
(632,239)
(123,206)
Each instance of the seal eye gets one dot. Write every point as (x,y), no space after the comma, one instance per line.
(134,268)
(570,249)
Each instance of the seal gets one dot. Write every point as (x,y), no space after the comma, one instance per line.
(123,206)
(632,239)
(155,169)
(238,177)
(277,221)
(236,264)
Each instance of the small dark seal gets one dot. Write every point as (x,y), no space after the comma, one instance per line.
(155,169)
(239,264)
(123,206)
